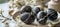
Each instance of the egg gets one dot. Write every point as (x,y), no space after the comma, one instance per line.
(25,9)
(35,10)
(52,14)
(27,18)
(41,17)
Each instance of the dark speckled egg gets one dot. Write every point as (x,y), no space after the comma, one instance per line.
(52,14)
(27,18)
(25,9)
(41,17)
(35,10)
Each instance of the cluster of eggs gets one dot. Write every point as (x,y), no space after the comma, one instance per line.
(29,14)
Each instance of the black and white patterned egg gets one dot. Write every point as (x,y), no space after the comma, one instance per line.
(27,18)
(25,8)
(52,14)
(35,10)
(41,17)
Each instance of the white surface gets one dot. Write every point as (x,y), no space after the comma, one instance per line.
(5,7)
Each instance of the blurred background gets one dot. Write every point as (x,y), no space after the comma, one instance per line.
(4,1)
